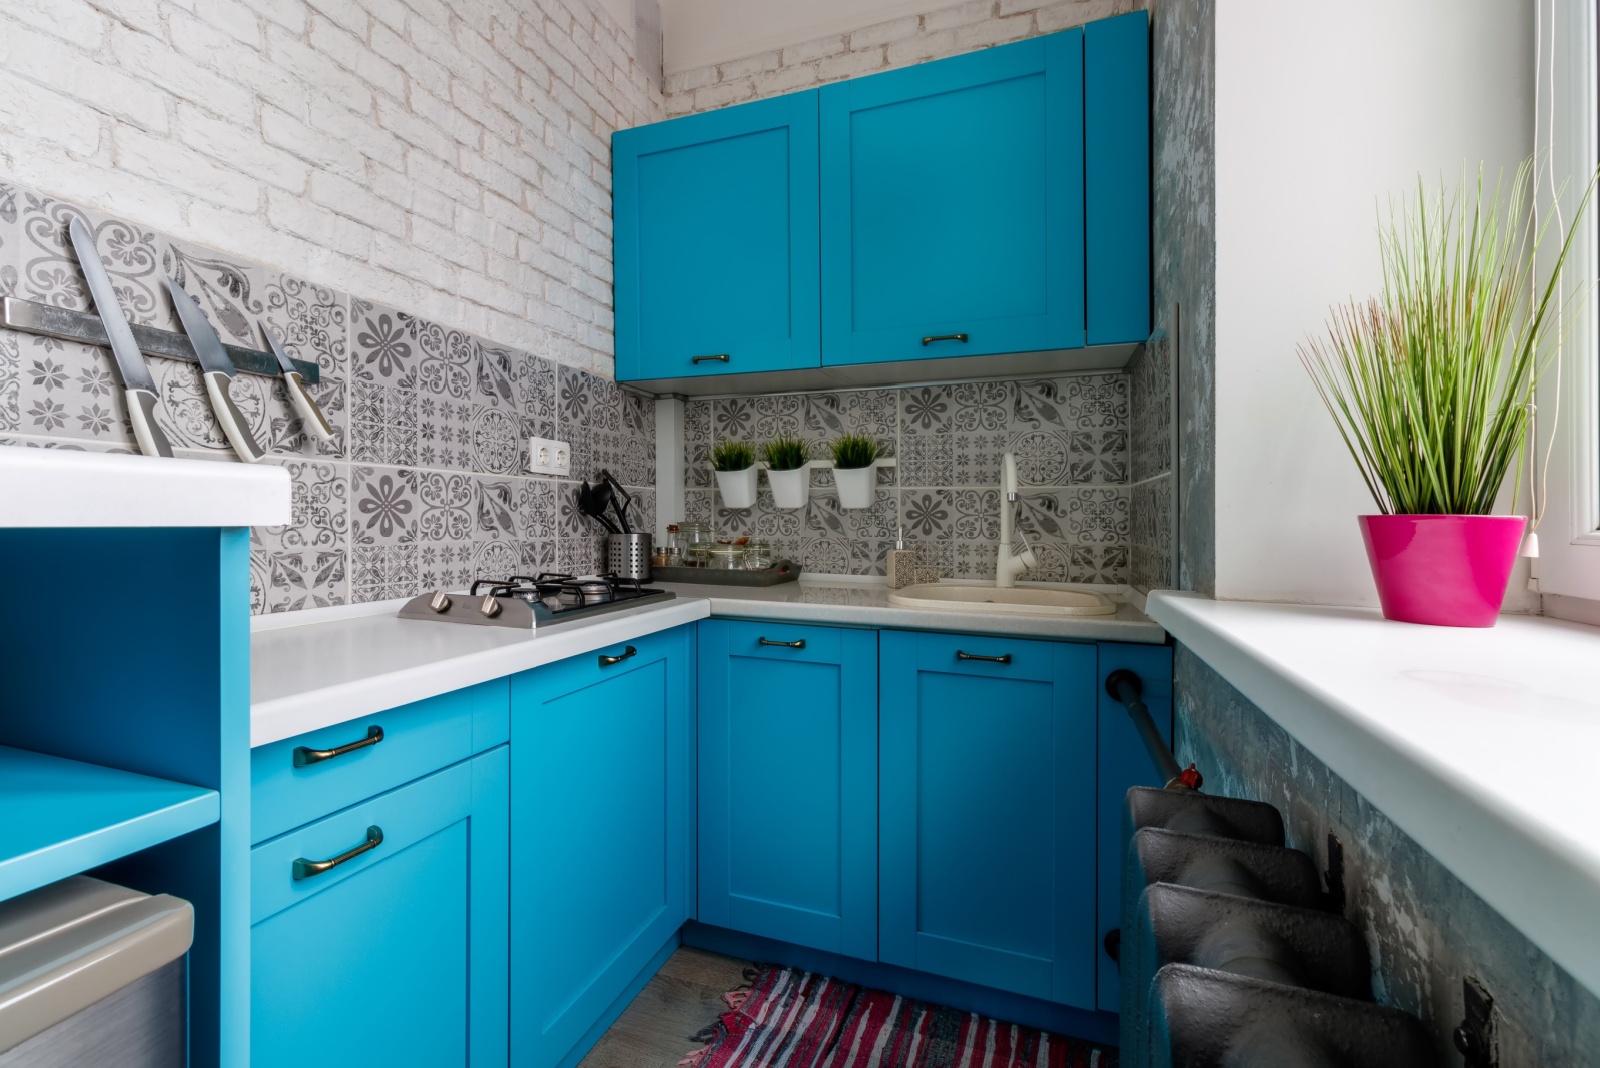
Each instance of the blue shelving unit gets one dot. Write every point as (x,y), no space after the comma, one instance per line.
(59,817)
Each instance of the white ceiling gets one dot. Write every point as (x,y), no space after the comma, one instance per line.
(701,32)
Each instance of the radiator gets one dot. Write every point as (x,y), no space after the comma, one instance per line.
(1230,954)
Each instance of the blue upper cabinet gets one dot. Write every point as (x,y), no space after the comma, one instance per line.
(987,811)
(1116,137)
(993,204)
(716,242)
(952,206)
(788,775)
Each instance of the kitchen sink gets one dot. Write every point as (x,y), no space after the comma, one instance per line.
(1021,600)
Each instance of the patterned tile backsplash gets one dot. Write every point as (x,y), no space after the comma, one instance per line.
(1070,436)
(423,484)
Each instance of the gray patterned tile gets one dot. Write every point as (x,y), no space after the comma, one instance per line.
(305,563)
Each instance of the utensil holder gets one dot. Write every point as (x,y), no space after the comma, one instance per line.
(628,555)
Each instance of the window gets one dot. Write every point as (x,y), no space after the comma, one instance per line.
(1568,112)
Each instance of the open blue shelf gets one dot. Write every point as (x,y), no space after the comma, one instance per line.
(59,817)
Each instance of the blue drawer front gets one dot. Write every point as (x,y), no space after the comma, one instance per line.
(417,739)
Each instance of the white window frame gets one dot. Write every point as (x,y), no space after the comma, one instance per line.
(1569,565)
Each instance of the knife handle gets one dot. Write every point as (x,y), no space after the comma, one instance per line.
(311,417)
(234,427)
(142,414)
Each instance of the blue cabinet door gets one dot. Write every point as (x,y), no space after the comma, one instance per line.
(987,811)
(396,955)
(953,206)
(1124,763)
(716,241)
(600,803)
(1116,135)
(788,781)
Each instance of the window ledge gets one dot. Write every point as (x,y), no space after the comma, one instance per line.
(1482,745)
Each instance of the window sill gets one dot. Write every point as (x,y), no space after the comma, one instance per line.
(1482,745)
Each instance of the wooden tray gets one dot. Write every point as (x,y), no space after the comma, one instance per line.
(782,571)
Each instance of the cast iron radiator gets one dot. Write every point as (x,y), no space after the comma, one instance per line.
(1231,954)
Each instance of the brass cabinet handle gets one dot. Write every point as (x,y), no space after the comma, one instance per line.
(721,357)
(304,757)
(1004,658)
(945,337)
(305,869)
(607,661)
(801,644)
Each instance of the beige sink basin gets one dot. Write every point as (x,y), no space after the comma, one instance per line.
(1020,600)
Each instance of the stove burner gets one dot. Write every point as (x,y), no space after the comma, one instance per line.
(549,596)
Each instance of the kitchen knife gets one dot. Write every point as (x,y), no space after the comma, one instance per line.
(139,388)
(218,372)
(311,416)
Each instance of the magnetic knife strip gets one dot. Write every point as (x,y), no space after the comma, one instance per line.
(31,317)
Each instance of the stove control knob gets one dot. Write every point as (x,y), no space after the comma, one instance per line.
(489,607)
(440,602)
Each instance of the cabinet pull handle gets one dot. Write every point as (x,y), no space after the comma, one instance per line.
(305,869)
(801,644)
(607,661)
(944,337)
(1004,658)
(721,357)
(304,757)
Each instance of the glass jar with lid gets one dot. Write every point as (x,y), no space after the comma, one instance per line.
(695,538)
(757,554)
(725,557)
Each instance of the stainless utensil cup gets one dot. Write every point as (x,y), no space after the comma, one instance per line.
(628,555)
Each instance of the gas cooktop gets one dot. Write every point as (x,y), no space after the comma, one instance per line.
(528,603)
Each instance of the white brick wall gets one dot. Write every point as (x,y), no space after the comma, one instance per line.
(449,159)
(939,32)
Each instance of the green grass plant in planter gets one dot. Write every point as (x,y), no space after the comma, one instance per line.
(788,470)
(855,471)
(1431,384)
(735,465)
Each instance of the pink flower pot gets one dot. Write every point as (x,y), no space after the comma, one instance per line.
(1446,570)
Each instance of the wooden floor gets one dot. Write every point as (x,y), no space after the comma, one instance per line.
(658,1028)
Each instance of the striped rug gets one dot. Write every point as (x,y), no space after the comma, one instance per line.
(794,1019)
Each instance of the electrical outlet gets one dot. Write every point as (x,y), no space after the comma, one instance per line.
(547,457)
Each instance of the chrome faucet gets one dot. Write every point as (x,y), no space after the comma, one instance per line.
(1010,565)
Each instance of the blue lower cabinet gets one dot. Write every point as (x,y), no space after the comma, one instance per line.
(788,783)
(987,811)
(378,934)
(601,783)
(1124,763)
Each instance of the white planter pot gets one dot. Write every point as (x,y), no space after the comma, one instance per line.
(857,485)
(790,489)
(738,488)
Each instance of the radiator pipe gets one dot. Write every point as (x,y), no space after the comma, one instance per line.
(1126,689)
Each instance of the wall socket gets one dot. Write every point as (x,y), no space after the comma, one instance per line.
(546,457)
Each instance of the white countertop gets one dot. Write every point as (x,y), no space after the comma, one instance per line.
(316,668)
(63,488)
(321,673)
(1482,745)
(866,604)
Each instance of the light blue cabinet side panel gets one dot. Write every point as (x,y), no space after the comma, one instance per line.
(716,241)
(986,812)
(951,204)
(788,799)
(599,822)
(1116,112)
(1124,763)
